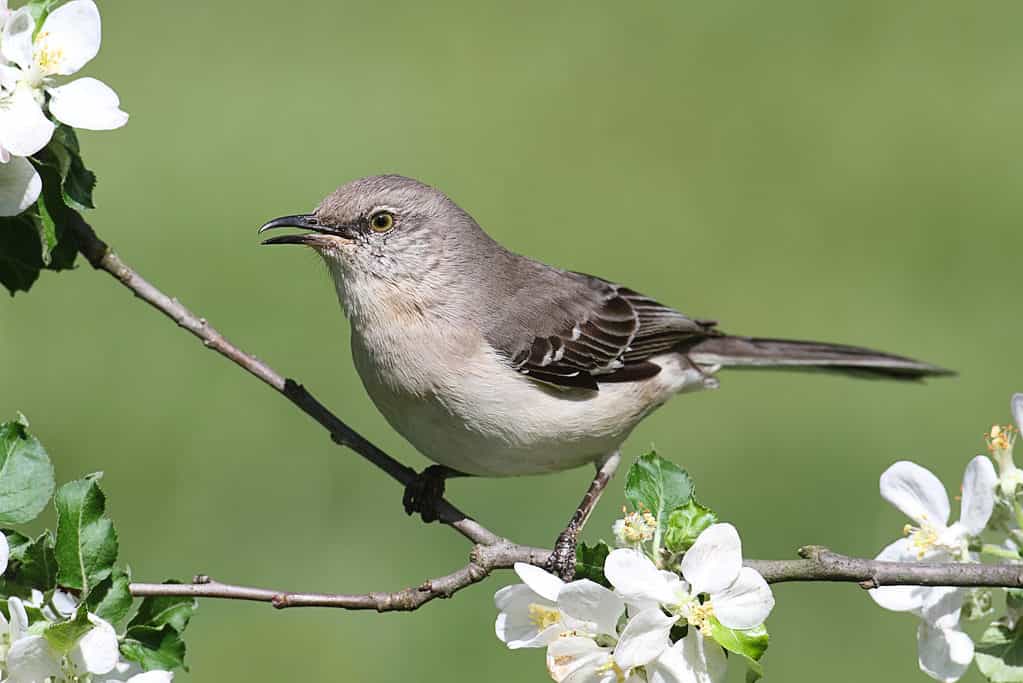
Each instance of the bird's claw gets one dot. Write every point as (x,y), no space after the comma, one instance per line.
(561,563)
(424,492)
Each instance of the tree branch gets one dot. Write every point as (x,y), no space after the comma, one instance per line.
(490,551)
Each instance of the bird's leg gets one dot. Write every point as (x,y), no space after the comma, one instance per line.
(424,492)
(562,560)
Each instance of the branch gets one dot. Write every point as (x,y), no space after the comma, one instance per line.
(483,560)
(821,564)
(818,564)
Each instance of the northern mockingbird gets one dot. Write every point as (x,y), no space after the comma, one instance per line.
(493,364)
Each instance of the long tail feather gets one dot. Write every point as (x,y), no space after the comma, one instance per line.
(751,352)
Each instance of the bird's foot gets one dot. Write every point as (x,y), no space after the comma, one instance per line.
(425,491)
(561,563)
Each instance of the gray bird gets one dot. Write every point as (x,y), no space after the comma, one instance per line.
(493,364)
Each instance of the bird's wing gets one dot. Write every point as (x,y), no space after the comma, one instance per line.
(603,333)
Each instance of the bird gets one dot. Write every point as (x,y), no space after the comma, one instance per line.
(493,364)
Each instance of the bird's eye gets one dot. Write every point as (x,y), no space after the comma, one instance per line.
(381,221)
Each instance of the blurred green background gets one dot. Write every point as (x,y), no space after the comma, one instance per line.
(839,171)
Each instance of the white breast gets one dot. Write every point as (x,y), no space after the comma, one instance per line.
(461,405)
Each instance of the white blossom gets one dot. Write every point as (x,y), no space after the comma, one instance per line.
(32,659)
(714,586)
(29,67)
(944,650)
(538,611)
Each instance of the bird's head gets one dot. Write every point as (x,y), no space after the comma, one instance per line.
(387,232)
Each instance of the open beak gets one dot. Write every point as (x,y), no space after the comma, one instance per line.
(321,235)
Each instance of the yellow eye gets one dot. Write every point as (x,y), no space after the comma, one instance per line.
(382,221)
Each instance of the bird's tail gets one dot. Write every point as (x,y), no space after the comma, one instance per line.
(786,354)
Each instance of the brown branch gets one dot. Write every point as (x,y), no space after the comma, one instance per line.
(818,564)
(483,560)
(490,551)
(821,564)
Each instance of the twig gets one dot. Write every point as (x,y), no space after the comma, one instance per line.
(821,564)
(483,560)
(490,551)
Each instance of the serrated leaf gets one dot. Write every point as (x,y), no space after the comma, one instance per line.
(37,566)
(111,598)
(685,524)
(16,544)
(63,635)
(26,475)
(20,260)
(86,541)
(999,653)
(154,648)
(158,611)
(76,181)
(589,562)
(658,486)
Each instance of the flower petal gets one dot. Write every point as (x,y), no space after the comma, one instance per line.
(694,659)
(636,579)
(940,605)
(514,625)
(543,583)
(576,659)
(5,553)
(20,186)
(24,129)
(1017,410)
(87,103)
(944,653)
(644,638)
(72,34)
(714,561)
(97,651)
(16,40)
(916,492)
(746,603)
(19,618)
(591,603)
(978,494)
(32,659)
(155,676)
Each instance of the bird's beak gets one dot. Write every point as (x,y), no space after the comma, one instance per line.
(321,235)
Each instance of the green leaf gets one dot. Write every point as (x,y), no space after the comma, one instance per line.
(40,9)
(165,611)
(26,475)
(63,635)
(16,543)
(86,540)
(154,648)
(47,229)
(76,181)
(657,485)
(20,260)
(36,566)
(111,598)
(589,562)
(685,524)
(750,643)
(999,653)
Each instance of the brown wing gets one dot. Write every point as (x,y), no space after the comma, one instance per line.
(611,340)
